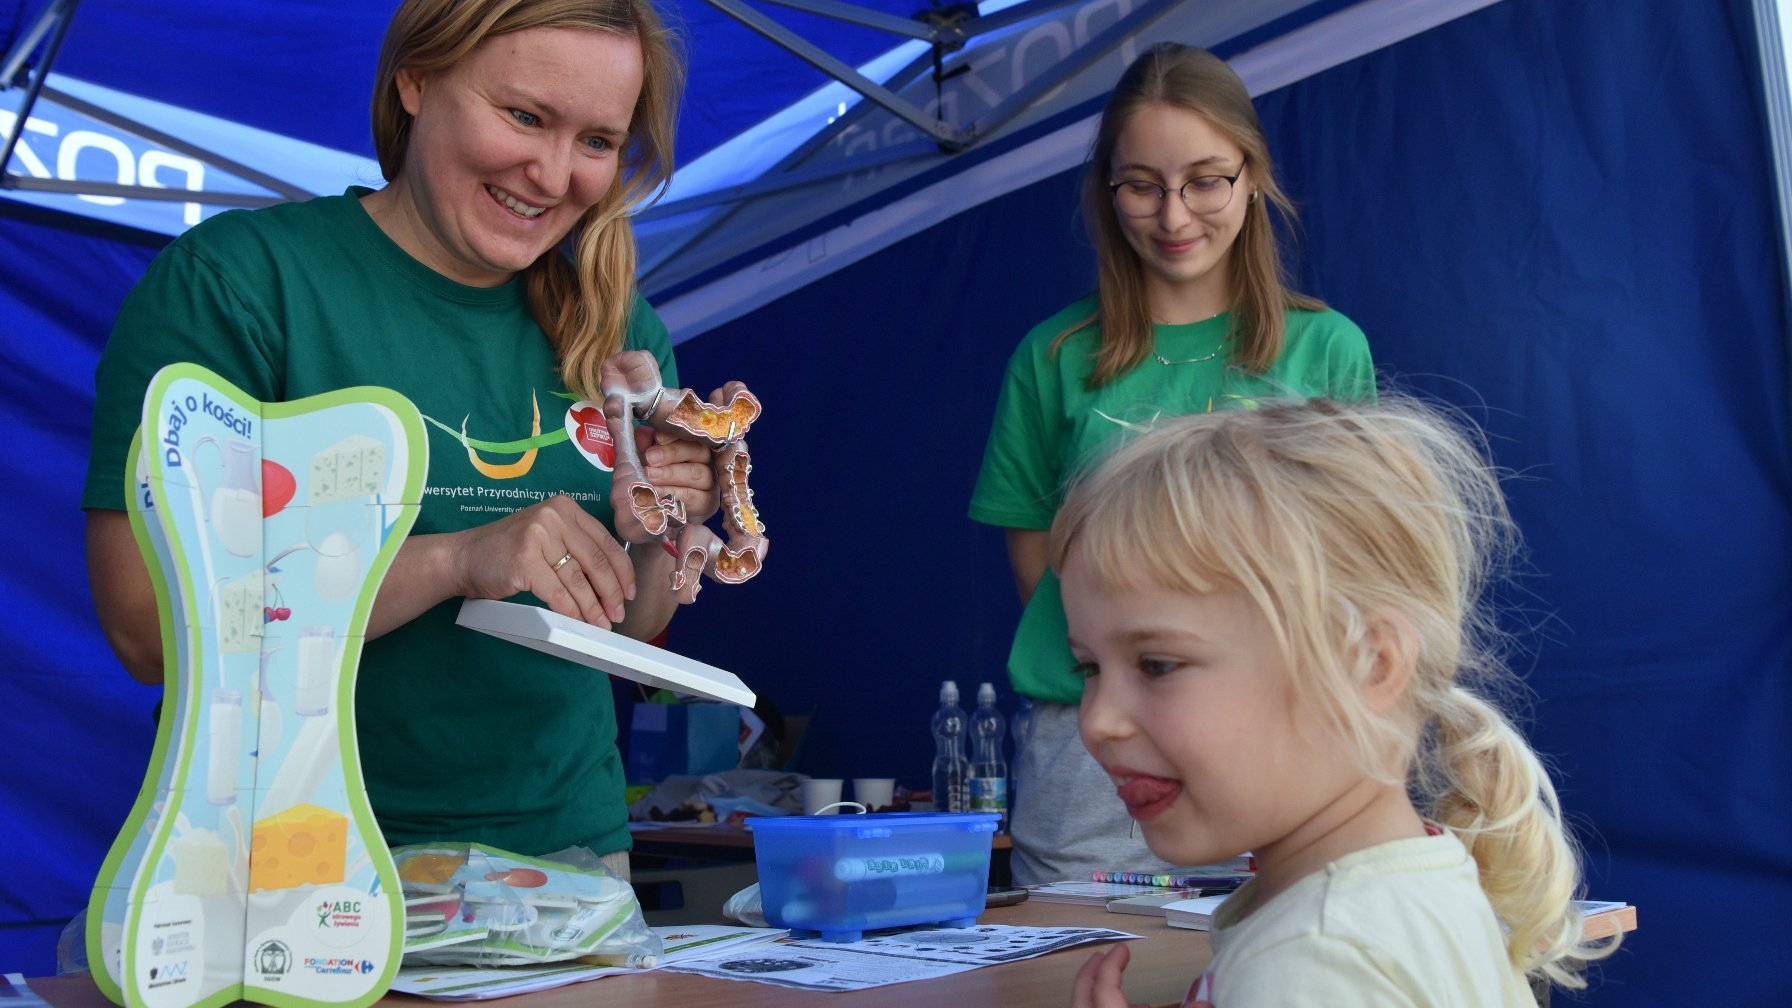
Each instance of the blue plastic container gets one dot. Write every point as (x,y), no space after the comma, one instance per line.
(844,875)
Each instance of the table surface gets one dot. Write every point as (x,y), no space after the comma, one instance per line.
(1164,961)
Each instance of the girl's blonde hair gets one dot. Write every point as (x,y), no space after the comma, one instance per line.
(1196,80)
(581,302)
(1335,520)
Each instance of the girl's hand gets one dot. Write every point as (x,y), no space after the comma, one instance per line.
(1098,982)
(522,552)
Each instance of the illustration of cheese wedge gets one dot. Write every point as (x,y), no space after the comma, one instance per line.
(303,845)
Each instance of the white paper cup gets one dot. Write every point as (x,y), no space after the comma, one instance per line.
(874,792)
(819,792)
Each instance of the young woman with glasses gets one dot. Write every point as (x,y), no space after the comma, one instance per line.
(1191,313)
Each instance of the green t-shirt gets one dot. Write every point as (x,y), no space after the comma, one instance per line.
(463,736)
(1049,426)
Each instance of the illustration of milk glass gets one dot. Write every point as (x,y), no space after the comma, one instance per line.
(236,501)
(223,738)
(317,669)
(268,738)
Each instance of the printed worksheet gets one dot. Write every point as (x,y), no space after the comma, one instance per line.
(889,957)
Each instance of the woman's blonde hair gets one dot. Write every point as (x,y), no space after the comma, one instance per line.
(582,302)
(1338,520)
(1196,80)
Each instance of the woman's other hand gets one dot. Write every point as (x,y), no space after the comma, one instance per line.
(683,468)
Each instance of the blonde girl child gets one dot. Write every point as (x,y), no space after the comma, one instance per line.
(1276,612)
(1191,313)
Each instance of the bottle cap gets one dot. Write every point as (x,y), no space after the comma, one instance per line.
(948,692)
(986,694)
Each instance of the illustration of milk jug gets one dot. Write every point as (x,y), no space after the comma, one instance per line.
(236,503)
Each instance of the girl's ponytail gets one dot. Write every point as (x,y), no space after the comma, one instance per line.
(1496,796)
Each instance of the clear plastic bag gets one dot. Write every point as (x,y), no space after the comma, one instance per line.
(472,905)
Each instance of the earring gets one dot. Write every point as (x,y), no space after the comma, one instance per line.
(1253,198)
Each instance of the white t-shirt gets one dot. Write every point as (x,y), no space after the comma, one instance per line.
(1401,923)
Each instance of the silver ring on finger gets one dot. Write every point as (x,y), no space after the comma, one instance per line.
(647,414)
(561,562)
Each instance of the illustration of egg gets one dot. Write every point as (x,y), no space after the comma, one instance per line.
(338,567)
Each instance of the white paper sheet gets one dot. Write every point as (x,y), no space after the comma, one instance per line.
(889,957)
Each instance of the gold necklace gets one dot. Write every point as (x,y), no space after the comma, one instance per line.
(1166,362)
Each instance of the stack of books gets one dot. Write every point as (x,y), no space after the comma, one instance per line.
(1153,904)
(1147,892)
(1100,893)
(1196,914)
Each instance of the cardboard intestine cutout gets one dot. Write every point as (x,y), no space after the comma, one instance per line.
(633,392)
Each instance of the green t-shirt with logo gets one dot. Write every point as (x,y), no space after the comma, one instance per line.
(1049,426)
(463,736)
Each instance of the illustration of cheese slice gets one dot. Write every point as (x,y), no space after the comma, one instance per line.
(303,845)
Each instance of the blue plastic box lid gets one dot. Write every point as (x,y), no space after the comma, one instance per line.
(879,823)
(843,875)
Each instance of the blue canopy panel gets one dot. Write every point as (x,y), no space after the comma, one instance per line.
(304,69)
(848,177)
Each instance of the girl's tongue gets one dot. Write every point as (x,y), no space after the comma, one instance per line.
(1147,792)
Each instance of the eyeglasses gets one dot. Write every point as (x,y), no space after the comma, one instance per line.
(1203,195)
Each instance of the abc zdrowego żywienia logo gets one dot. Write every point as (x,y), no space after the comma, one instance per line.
(339,914)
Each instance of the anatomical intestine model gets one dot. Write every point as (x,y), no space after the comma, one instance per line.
(633,392)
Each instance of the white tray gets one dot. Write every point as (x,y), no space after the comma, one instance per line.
(549,632)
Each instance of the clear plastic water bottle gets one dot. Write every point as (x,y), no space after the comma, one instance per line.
(989,767)
(951,769)
(1019,727)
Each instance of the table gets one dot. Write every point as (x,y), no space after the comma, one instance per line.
(1164,961)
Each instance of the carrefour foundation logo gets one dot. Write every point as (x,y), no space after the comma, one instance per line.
(339,967)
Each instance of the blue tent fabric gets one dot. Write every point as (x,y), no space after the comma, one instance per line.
(1557,216)
(77,731)
(321,54)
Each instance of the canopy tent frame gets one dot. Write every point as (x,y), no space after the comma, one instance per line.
(1773,33)
(939,138)
(54,22)
(945,29)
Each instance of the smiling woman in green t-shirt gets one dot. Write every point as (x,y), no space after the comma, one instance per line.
(1191,313)
(509,131)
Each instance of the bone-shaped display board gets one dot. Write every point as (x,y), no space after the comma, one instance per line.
(550,632)
(250,867)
